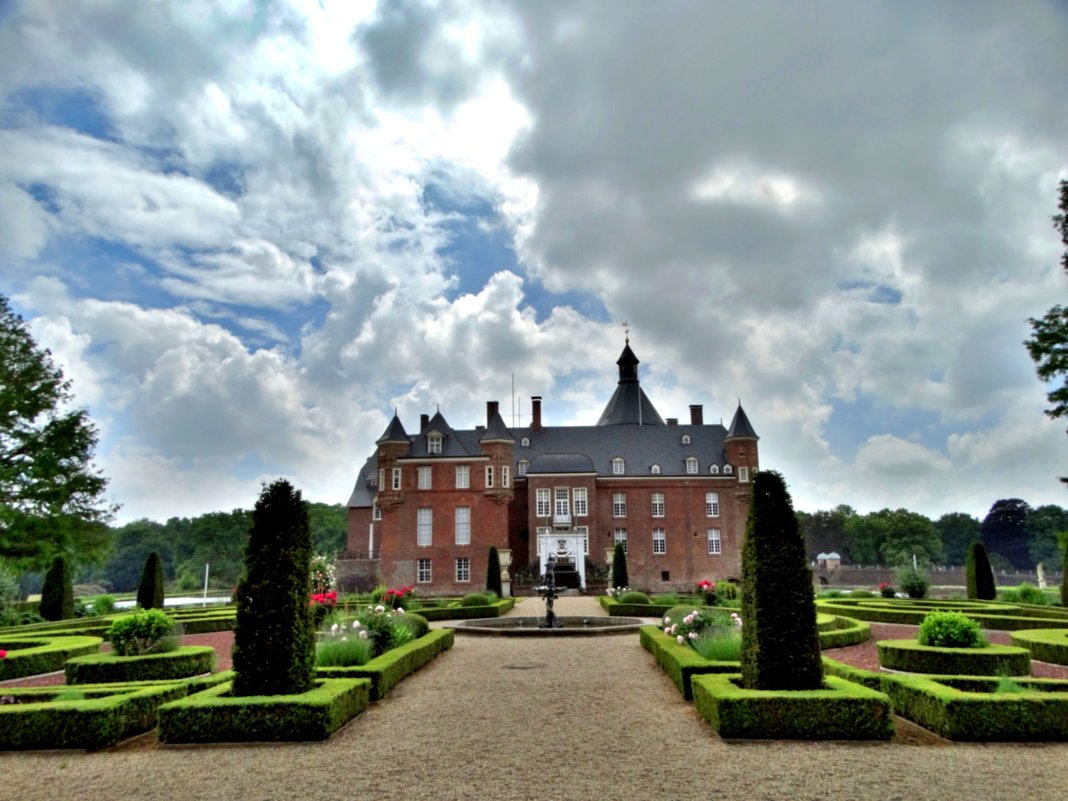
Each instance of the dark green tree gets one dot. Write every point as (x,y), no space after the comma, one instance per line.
(133,543)
(825,531)
(1044,527)
(780,642)
(958,531)
(493,572)
(1048,345)
(1005,532)
(619,567)
(329,527)
(51,497)
(57,592)
(979,576)
(1064,578)
(274,637)
(150,589)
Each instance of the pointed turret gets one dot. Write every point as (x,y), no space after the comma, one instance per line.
(394,433)
(629,404)
(740,445)
(741,428)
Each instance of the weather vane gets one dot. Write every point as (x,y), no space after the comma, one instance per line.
(626,330)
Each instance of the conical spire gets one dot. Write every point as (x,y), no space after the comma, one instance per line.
(629,404)
(394,432)
(741,428)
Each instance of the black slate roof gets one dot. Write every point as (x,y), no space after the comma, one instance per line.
(740,426)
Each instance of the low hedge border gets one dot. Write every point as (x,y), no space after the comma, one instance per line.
(680,662)
(181,663)
(386,671)
(842,710)
(843,632)
(100,719)
(31,655)
(993,660)
(615,608)
(1045,645)
(988,614)
(495,609)
(951,707)
(215,716)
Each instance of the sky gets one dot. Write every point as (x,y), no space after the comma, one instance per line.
(249,232)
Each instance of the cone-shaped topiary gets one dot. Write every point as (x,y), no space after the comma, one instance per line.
(274,638)
(619,567)
(150,590)
(1064,578)
(979,576)
(780,642)
(493,572)
(57,592)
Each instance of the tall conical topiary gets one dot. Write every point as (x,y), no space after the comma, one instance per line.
(274,637)
(493,572)
(150,590)
(1064,575)
(979,576)
(57,592)
(780,642)
(619,567)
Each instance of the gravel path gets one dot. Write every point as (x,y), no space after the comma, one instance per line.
(537,719)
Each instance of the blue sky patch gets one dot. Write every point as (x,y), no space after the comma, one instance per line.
(76,109)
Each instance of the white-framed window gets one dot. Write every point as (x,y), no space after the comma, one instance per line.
(525,442)
(743,475)
(727,469)
(543,503)
(618,466)
(463,525)
(658,504)
(376,510)
(711,504)
(489,476)
(521,468)
(423,574)
(659,541)
(692,466)
(433,443)
(561,507)
(463,569)
(585,532)
(619,537)
(714,469)
(714,542)
(381,478)
(655,469)
(685,439)
(579,498)
(424,526)
(506,476)
(396,478)
(619,504)
(424,477)
(463,476)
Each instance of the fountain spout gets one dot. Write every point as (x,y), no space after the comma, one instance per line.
(547,590)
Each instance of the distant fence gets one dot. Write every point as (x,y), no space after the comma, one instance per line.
(872,576)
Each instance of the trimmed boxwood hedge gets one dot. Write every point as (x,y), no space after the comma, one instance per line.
(30,655)
(216,716)
(181,663)
(614,607)
(843,632)
(992,660)
(988,614)
(495,609)
(841,710)
(100,719)
(957,709)
(1045,645)
(386,671)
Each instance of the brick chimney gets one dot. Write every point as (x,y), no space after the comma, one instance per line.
(424,420)
(697,414)
(535,422)
(491,409)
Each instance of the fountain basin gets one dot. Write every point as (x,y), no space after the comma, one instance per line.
(571,626)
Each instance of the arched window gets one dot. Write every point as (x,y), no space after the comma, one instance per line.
(655,469)
(691,466)
(525,442)
(727,469)
(714,469)
(521,468)
(618,466)
(685,439)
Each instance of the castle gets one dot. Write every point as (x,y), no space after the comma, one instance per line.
(428,506)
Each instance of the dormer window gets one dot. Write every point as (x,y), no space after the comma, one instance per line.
(655,469)
(433,443)
(714,469)
(691,466)
(525,442)
(618,465)
(521,467)
(685,439)
(727,469)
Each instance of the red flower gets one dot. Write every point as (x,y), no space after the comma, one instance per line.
(3,654)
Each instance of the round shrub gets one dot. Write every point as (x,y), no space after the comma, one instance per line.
(103,605)
(950,630)
(1028,593)
(861,594)
(634,597)
(913,582)
(148,631)
(416,624)
(726,590)
(475,599)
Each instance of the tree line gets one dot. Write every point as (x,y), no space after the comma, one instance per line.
(1015,535)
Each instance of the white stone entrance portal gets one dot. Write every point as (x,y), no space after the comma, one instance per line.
(561,545)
